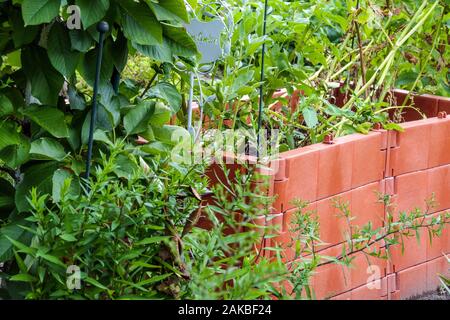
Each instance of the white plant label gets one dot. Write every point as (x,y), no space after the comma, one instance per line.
(207,37)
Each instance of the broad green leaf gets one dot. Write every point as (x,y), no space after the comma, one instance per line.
(60,52)
(92,11)
(406,78)
(39,11)
(179,41)
(46,81)
(125,167)
(332,110)
(6,106)
(137,119)
(310,116)
(76,100)
(81,40)
(169,93)
(160,52)
(140,24)
(68,237)
(170,10)
(8,135)
(6,197)
(39,176)
(11,231)
(50,119)
(171,135)
(47,149)
(161,116)
(88,66)
(16,155)
(156,148)
(100,135)
(22,35)
(104,122)
(120,52)
(243,78)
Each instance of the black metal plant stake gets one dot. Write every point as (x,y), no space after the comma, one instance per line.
(102,28)
(261,88)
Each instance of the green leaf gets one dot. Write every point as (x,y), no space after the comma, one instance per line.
(161,116)
(16,155)
(104,122)
(137,120)
(59,51)
(80,40)
(68,237)
(170,10)
(88,66)
(140,24)
(243,78)
(23,278)
(8,135)
(38,176)
(156,148)
(120,52)
(6,107)
(95,283)
(39,11)
(100,135)
(46,81)
(50,119)
(154,279)
(22,35)
(171,135)
(59,182)
(161,52)
(92,11)
(22,248)
(6,197)
(310,116)
(51,259)
(47,149)
(151,240)
(393,126)
(167,92)
(179,41)
(125,167)
(76,100)
(406,78)
(12,231)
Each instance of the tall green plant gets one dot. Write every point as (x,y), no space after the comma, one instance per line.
(122,239)
(46,76)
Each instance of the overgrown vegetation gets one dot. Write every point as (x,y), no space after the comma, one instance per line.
(131,230)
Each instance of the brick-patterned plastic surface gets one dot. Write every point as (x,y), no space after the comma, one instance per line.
(410,166)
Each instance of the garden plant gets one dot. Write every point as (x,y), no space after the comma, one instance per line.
(152,220)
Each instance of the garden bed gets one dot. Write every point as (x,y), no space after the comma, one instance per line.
(409,166)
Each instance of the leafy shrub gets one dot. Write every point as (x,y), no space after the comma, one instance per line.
(228,261)
(122,234)
(45,87)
